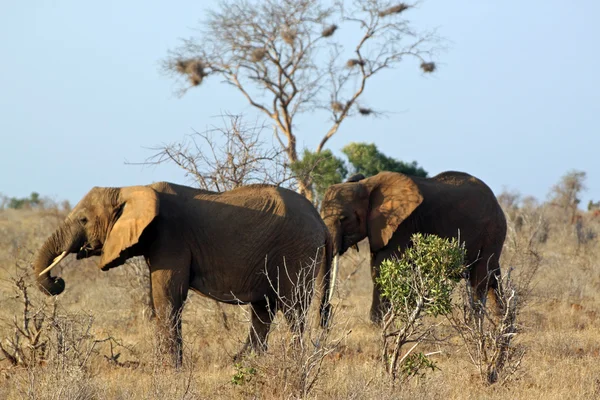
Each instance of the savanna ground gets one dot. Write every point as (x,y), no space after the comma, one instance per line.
(99,343)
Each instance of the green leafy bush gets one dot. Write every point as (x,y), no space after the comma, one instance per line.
(242,374)
(427,272)
(418,284)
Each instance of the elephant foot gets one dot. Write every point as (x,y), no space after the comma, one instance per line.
(376,318)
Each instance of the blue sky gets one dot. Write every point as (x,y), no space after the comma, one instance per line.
(515,101)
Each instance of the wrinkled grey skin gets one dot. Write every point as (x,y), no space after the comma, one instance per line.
(249,246)
(389,207)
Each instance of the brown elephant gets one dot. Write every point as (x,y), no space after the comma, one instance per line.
(389,207)
(260,245)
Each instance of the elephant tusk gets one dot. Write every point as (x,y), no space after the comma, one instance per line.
(333,277)
(54,263)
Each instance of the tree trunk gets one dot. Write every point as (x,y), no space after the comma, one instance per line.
(305,189)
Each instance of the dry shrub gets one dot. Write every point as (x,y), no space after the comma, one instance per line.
(526,232)
(488,339)
(293,365)
(52,353)
(69,383)
(28,345)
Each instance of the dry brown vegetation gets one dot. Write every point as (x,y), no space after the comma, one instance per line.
(99,338)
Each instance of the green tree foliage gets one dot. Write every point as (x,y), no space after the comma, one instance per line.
(418,284)
(26,202)
(322,169)
(368,160)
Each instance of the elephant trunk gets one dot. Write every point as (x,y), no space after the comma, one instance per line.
(66,239)
(335,230)
(328,281)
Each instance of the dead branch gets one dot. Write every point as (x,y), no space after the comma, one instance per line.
(221,159)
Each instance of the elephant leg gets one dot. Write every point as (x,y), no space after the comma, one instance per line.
(484,278)
(169,291)
(168,297)
(379,306)
(263,313)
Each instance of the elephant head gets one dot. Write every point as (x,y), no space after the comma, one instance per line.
(368,207)
(106,222)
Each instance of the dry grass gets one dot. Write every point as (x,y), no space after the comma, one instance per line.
(560,332)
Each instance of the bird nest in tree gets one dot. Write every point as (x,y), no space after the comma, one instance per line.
(365,111)
(337,106)
(193,69)
(258,54)
(329,30)
(354,62)
(428,66)
(393,10)
(288,36)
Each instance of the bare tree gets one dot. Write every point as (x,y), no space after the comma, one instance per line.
(285,57)
(222,159)
(565,194)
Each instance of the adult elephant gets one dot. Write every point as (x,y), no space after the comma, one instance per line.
(389,207)
(257,244)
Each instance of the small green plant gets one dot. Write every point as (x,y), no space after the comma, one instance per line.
(242,374)
(415,363)
(418,284)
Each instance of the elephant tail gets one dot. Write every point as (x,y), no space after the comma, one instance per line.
(328,282)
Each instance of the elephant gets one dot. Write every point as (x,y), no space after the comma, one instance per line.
(389,207)
(257,244)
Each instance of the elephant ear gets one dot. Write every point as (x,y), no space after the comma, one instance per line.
(139,208)
(393,198)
